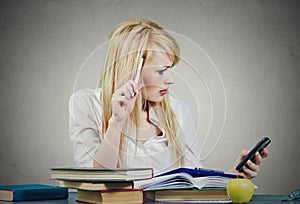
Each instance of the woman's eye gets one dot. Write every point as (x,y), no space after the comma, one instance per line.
(162,71)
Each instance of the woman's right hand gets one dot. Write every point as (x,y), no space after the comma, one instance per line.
(123,101)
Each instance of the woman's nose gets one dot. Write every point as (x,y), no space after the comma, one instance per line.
(169,78)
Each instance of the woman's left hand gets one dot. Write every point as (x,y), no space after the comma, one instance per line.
(252,169)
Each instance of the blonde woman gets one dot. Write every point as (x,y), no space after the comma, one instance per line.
(132,120)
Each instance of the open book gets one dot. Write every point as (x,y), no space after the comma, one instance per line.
(183,178)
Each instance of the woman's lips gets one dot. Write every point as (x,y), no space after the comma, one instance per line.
(163,92)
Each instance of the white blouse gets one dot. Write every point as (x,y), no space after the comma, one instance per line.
(85,134)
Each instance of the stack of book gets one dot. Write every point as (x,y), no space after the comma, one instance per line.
(100,185)
(96,185)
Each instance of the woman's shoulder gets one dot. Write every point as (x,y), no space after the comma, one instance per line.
(85,97)
(86,94)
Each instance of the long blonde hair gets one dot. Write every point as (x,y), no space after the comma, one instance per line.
(129,42)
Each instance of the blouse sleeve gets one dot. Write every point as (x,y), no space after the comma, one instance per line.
(84,126)
(190,136)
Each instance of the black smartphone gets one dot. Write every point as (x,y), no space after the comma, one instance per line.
(251,155)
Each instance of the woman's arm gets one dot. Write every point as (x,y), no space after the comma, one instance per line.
(123,101)
(90,147)
(107,154)
(84,126)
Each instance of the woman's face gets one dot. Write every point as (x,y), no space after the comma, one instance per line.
(157,77)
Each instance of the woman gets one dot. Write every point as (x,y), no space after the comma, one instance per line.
(132,121)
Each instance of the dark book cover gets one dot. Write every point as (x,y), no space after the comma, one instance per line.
(30,192)
(198,172)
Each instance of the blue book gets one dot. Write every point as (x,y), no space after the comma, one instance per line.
(200,172)
(30,192)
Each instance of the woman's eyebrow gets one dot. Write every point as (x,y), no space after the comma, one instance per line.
(167,66)
(164,66)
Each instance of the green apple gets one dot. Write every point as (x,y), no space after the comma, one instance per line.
(240,190)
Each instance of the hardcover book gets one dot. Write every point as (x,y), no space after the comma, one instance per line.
(94,186)
(30,192)
(205,194)
(101,174)
(125,196)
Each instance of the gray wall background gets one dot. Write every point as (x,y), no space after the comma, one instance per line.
(254,44)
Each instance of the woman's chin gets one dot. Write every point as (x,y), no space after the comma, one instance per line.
(156,99)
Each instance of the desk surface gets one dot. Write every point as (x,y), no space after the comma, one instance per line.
(257,199)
